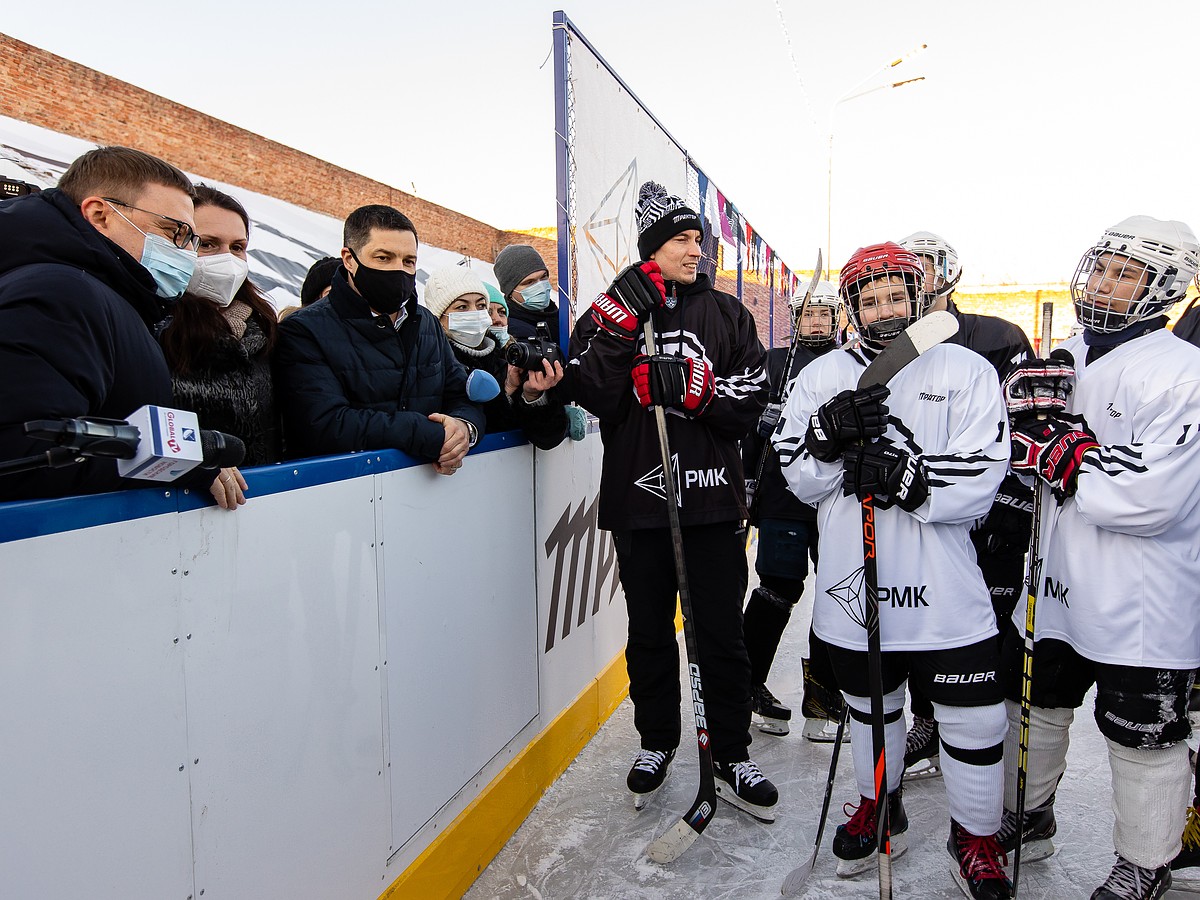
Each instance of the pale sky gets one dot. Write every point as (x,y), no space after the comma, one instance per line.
(1038,124)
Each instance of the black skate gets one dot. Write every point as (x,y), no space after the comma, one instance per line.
(1040,827)
(773,716)
(743,785)
(1185,868)
(979,864)
(650,770)
(922,750)
(1129,882)
(854,843)
(822,710)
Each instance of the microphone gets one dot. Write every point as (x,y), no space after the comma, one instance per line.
(481,386)
(155,444)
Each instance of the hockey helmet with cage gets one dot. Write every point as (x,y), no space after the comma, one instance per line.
(946,267)
(885,261)
(1138,270)
(824,296)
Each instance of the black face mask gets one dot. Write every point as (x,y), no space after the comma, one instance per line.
(385,290)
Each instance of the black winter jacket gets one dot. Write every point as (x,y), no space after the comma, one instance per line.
(522,322)
(347,380)
(1188,326)
(76,313)
(997,340)
(703,323)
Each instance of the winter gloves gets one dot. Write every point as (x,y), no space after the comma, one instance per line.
(682,383)
(634,293)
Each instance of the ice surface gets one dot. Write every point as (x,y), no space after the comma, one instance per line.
(585,840)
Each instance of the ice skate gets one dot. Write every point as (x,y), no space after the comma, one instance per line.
(771,716)
(1185,868)
(1129,882)
(742,784)
(1040,827)
(822,710)
(648,774)
(978,864)
(922,750)
(854,842)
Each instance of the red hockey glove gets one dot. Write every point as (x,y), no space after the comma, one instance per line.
(673,382)
(893,476)
(1038,387)
(636,291)
(1051,449)
(851,416)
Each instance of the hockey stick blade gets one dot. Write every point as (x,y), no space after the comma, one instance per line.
(673,843)
(796,878)
(928,331)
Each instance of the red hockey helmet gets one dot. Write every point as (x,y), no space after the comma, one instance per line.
(887,282)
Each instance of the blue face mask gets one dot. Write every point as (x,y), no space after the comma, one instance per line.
(170,266)
(499,333)
(536,297)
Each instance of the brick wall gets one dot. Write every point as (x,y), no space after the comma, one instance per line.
(43,89)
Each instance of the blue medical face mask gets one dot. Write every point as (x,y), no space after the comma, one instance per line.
(536,297)
(171,267)
(500,333)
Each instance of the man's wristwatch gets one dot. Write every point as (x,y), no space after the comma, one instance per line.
(472,433)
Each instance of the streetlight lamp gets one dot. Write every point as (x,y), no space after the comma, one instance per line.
(853,94)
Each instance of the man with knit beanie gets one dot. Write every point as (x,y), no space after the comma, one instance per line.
(708,375)
(525,283)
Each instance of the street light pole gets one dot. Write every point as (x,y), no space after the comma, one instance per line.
(853,94)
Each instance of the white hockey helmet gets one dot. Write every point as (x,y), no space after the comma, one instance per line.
(824,296)
(946,267)
(1138,269)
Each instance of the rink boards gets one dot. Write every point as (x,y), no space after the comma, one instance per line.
(356,685)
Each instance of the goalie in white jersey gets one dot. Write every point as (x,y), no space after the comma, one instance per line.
(941,453)
(1118,465)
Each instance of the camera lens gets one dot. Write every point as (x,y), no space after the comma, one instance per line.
(517,353)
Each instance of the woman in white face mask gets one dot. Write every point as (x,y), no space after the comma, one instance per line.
(218,343)
(459,298)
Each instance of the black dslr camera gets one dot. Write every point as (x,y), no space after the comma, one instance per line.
(528,353)
(11,187)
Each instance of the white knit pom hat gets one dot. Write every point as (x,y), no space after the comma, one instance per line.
(447,285)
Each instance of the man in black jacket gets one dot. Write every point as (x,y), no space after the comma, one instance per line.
(708,375)
(84,271)
(525,284)
(367,368)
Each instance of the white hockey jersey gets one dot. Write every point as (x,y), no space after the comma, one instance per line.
(945,407)
(1121,577)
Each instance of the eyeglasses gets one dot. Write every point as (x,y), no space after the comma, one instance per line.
(184,236)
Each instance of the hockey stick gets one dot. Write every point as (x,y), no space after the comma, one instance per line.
(1034,576)
(926,332)
(671,845)
(796,878)
(778,393)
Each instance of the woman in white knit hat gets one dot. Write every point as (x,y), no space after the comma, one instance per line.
(459,298)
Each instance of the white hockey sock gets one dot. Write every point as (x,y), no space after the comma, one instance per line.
(861,748)
(1151,790)
(1049,730)
(972,763)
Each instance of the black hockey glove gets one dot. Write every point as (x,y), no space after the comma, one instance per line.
(1039,387)
(769,419)
(849,417)
(1005,530)
(634,293)
(1052,449)
(893,476)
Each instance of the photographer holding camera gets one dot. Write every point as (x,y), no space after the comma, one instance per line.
(526,369)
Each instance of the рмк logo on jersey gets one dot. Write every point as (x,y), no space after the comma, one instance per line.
(851,595)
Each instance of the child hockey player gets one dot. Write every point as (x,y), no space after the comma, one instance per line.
(935,452)
(1116,606)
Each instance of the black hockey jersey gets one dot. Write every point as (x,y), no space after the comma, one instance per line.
(698,321)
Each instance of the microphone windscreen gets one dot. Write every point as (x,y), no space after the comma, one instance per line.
(481,386)
(221,450)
